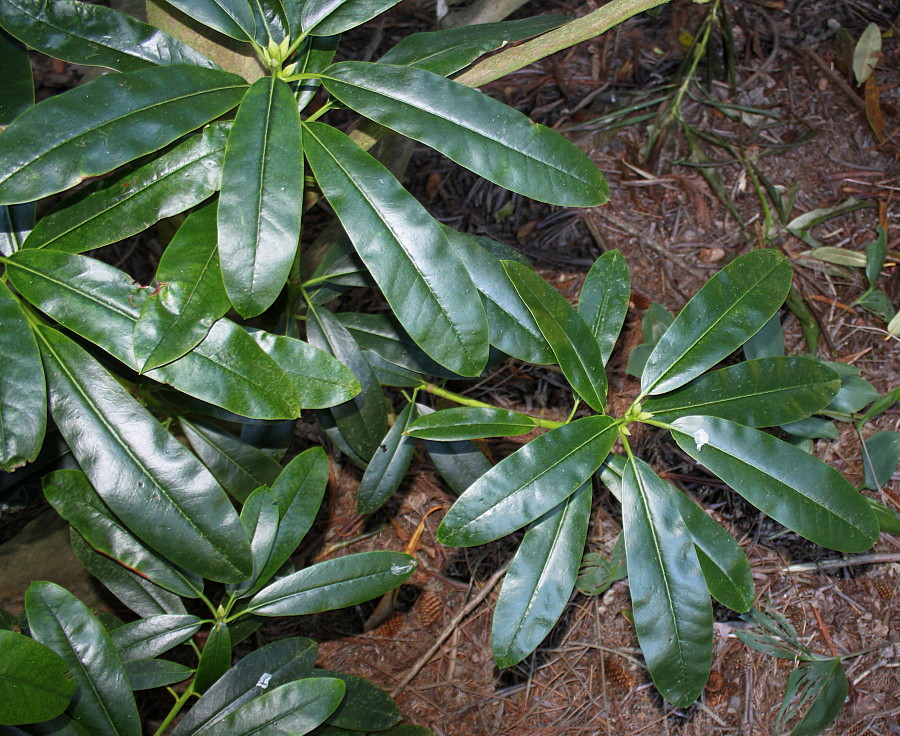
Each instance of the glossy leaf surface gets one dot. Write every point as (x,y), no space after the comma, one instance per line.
(388,465)
(540,580)
(94,35)
(189,296)
(670,602)
(470,423)
(105,705)
(112,120)
(150,637)
(604,299)
(478,132)
(158,489)
(215,659)
(330,17)
(882,452)
(365,707)
(325,586)
(127,203)
(259,515)
(313,58)
(404,249)
(35,682)
(16,221)
(447,51)
(284,661)
(23,394)
(794,488)
(73,498)
(262,193)
(147,674)
(234,18)
(528,483)
(757,393)
(731,307)
(17,94)
(577,351)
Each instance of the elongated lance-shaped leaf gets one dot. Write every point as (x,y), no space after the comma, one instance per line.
(271,21)
(758,393)
(569,336)
(16,221)
(37,683)
(511,328)
(215,658)
(672,610)
(459,463)
(259,515)
(332,584)
(150,637)
(484,135)
(330,17)
(731,307)
(57,619)
(155,486)
(827,687)
(319,379)
(470,423)
(139,594)
(365,707)
(17,94)
(314,57)
(261,198)
(240,468)
(405,250)
(541,578)
(72,496)
(129,202)
(149,674)
(189,296)
(447,51)
(528,483)
(234,18)
(110,121)
(881,454)
(604,299)
(388,465)
(362,421)
(93,35)
(794,488)
(23,393)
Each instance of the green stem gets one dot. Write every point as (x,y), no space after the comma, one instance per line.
(661,425)
(574,409)
(463,401)
(320,112)
(176,709)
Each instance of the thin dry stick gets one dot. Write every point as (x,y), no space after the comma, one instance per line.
(451,627)
(835,564)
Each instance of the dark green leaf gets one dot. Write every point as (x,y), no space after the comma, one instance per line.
(830,689)
(271,21)
(259,516)
(888,518)
(155,486)
(336,583)
(879,406)
(856,393)
(109,121)
(876,252)
(313,58)
(105,705)
(471,423)
(148,674)
(731,307)
(234,18)
(541,578)
(330,17)
(796,489)
(478,132)
(17,94)
(511,327)
(604,299)
(362,421)
(295,708)
(35,683)
(597,572)
(73,497)
(240,468)
(878,303)
(262,194)
(670,602)
(811,428)
(23,393)
(724,564)
(189,296)
(127,203)
(318,378)
(405,250)
(880,457)
(460,463)
(757,393)
(16,221)
(273,438)
(269,667)
(138,593)
(570,337)
(215,659)
(528,483)
(365,707)
(388,465)
(93,35)
(152,636)
(447,51)
(768,342)
(655,322)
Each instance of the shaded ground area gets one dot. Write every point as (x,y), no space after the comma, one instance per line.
(678,213)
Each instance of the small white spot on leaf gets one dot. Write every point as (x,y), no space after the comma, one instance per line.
(700,438)
(264,680)
(402,568)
